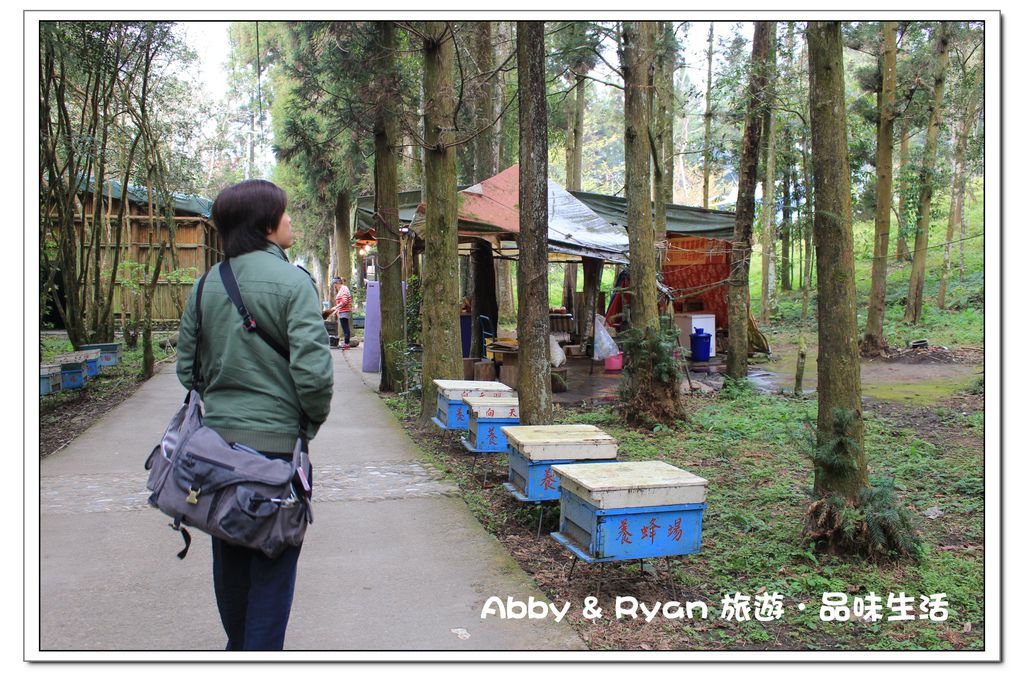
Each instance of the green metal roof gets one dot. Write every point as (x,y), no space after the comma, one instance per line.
(137,194)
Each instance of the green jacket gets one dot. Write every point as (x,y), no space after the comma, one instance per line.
(251,395)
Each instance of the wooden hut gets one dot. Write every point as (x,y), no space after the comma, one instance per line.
(197,243)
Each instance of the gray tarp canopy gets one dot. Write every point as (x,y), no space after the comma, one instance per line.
(580,223)
(688,220)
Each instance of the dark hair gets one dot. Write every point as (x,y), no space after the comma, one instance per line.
(245,213)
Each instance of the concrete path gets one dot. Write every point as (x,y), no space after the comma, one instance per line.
(394,559)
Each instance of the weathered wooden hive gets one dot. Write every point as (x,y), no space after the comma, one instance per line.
(487,416)
(452,413)
(534,450)
(630,510)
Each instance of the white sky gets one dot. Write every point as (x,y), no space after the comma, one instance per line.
(210,40)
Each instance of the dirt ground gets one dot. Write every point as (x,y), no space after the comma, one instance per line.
(923,377)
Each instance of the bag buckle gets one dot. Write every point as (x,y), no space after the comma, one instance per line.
(193,496)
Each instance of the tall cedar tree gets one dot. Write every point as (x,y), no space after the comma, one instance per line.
(739,276)
(967,115)
(650,397)
(442,357)
(707,114)
(385,165)
(915,293)
(664,112)
(532,274)
(343,233)
(873,338)
(484,294)
(768,188)
(838,358)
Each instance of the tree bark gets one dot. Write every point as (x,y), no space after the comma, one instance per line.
(389,268)
(592,269)
(707,115)
(873,337)
(650,398)
(807,228)
(484,294)
(483,287)
(442,357)
(535,403)
(768,200)
(664,108)
(637,44)
(838,358)
(956,191)
(787,226)
(343,234)
(506,295)
(739,278)
(915,293)
(902,252)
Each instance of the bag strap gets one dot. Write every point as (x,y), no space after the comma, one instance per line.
(199,333)
(227,276)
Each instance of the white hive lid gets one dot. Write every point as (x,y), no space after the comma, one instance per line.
(496,401)
(454,385)
(632,484)
(562,441)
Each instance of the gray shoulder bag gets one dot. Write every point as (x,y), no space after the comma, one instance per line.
(229,490)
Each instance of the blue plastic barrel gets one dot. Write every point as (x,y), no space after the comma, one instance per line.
(700,345)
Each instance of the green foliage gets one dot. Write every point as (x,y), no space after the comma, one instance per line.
(652,371)
(837,454)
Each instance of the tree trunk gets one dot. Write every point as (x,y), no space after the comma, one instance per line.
(915,293)
(648,397)
(807,224)
(535,403)
(787,227)
(739,279)
(508,137)
(592,268)
(956,191)
(664,108)
(873,338)
(768,194)
(839,406)
(707,114)
(484,296)
(637,44)
(343,234)
(442,356)
(389,267)
(902,252)
(482,277)
(577,131)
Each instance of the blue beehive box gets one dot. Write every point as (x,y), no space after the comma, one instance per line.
(49,379)
(73,369)
(110,353)
(535,450)
(92,362)
(452,411)
(487,416)
(630,510)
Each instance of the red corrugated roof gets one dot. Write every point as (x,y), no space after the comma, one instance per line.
(493,203)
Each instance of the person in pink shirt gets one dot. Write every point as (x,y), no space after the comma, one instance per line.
(343,307)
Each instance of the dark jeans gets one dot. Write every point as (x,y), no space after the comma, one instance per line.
(254,592)
(254,595)
(345,328)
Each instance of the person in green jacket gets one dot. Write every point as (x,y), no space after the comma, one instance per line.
(253,396)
